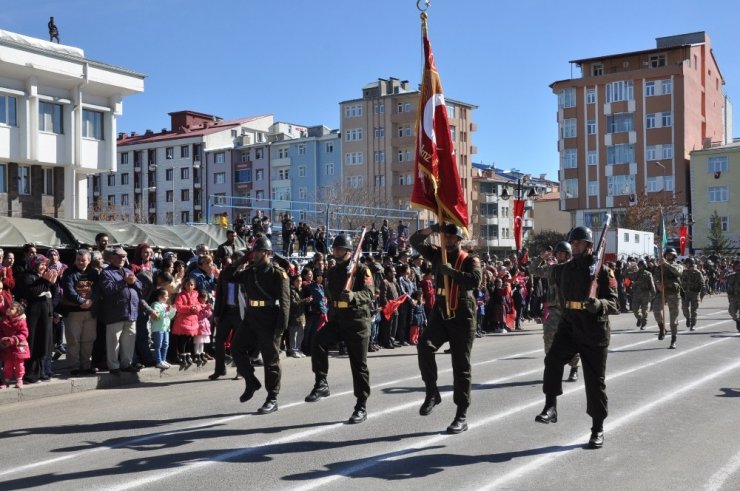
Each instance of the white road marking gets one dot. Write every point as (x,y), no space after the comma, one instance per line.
(716,482)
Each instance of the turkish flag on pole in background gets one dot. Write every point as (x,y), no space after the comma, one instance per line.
(518,222)
(682,232)
(437,183)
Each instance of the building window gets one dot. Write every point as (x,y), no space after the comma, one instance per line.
(666,87)
(353,158)
(111,179)
(242,176)
(404,155)
(653,184)
(185,216)
(651,152)
(380,181)
(124,158)
(92,124)
(219,178)
(404,131)
(219,158)
(620,154)
(569,160)
(50,118)
(259,175)
(124,200)
(724,223)
(591,127)
(620,91)
(329,169)
(301,171)
(380,108)
(403,107)
(329,147)
(567,98)
(569,128)
(649,89)
(592,157)
(169,174)
(169,196)
(185,195)
(111,200)
(657,61)
(259,195)
(650,121)
(597,69)
(667,120)
(353,135)
(283,174)
(620,185)
(717,164)
(302,193)
(185,173)
(49,182)
(124,179)
(245,156)
(593,188)
(717,194)
(591,96)
(380,132)
(668,182)
(570,188)
(354,182)
(3,178)
(667,151)
(450,111)
(282,153)
(379,156)
(184,151)
(453,133)
(302,149)
(353,111)
(169,153)
(619,123)
(8,110)
(258,153)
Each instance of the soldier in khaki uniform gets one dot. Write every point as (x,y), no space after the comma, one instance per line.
(544,269)
(692,282)
(733,294)
(672,290)
(643,291)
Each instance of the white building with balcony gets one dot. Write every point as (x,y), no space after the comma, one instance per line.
(58,114)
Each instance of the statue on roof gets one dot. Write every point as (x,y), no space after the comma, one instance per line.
(53,31)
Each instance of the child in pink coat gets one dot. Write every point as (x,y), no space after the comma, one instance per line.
(13,345)
(204,328)
(185,326)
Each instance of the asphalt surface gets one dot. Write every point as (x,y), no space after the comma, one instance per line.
(673,424)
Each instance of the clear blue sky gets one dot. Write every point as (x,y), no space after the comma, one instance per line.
(297,59)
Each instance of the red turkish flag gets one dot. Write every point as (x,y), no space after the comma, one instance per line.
(682,233)
(393,305)
(437,184)
(518,222)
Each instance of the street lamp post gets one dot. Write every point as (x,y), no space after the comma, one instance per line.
(683,221)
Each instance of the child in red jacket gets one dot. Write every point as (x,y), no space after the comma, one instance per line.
(13,345)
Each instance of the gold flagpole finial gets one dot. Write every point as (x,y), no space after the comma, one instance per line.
(426,5)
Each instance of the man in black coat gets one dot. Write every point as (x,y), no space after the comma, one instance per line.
(584,330)
(228,311)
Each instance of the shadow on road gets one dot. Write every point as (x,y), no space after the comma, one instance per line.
(728,392)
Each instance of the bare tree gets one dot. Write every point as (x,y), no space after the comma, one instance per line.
(644,214)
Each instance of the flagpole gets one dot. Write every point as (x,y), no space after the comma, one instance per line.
(443,252)
(662,257)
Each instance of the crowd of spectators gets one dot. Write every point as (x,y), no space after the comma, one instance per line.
(106,309)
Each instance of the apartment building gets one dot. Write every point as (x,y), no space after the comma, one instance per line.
(58,113)
(715,176)
(378,143)
(629,123)
(163,177)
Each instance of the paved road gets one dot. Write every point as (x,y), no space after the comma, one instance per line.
(674,419)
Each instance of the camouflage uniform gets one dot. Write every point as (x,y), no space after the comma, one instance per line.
(733,295)
(643,291)
(550,325)
(672,278)
(692,282)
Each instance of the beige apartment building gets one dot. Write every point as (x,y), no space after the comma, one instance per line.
(629,123)
(715,176)
(378,144)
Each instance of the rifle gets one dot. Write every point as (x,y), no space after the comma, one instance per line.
(354,260)
(600,252)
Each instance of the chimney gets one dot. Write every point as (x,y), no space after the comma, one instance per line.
(121,136)
(133,133)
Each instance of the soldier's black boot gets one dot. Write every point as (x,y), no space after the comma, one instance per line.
(573,377)
(460,423)
(661,331)
(270,406)
(253,385)
(642,323)
(360,413)
(319,391)
(673,342)
(737,325)
(432,399)
(549,413)
(597,435)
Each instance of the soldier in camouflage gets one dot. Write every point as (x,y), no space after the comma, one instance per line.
(733,293)
(543,268)
(643,291)
(692,283)
(671,287)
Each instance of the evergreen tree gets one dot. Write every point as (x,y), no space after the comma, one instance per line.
(718,243)
(537,243)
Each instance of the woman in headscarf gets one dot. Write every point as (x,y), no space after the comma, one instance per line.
(34,289)
(56,297)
